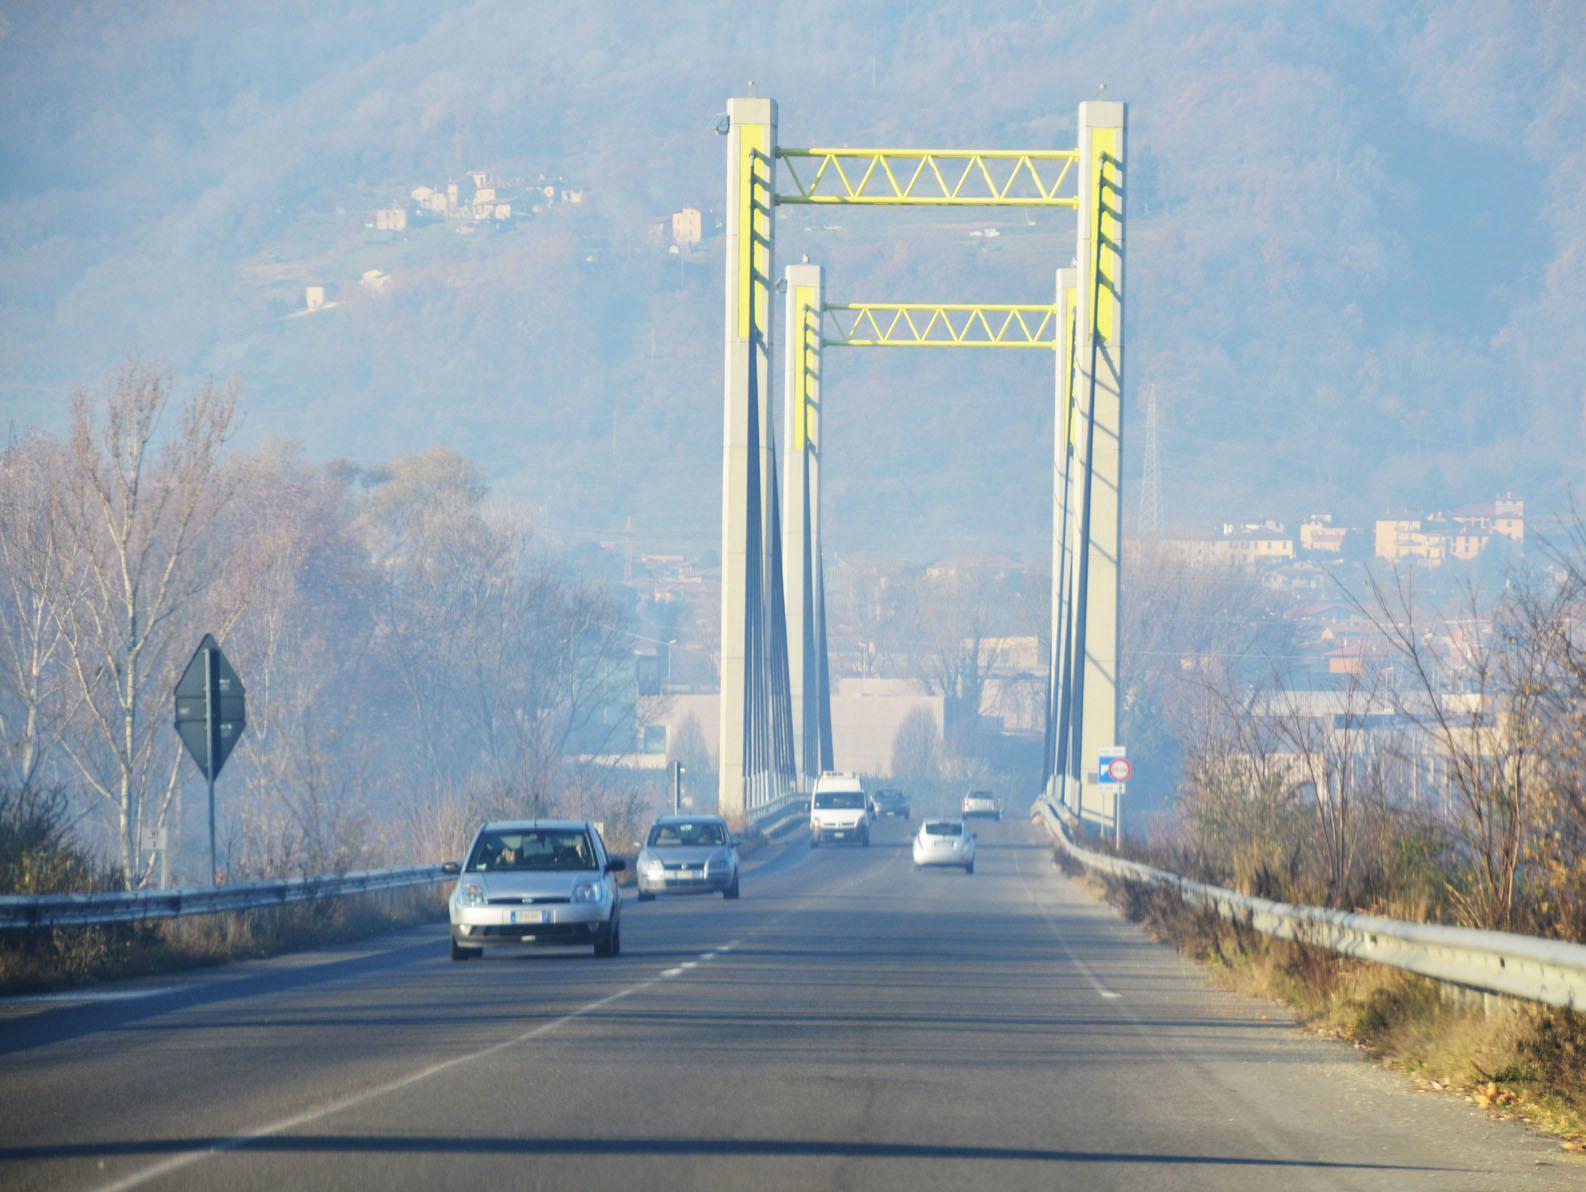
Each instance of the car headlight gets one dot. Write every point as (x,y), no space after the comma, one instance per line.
(586,892)
(471,894)
(652,865)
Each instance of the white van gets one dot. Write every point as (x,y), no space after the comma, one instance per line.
(839,809)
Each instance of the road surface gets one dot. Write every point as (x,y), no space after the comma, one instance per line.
(848,1023)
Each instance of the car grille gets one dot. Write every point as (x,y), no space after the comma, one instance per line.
(520,900)
(541,932)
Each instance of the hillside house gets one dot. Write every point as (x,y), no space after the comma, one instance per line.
(1318,534)
(686,229)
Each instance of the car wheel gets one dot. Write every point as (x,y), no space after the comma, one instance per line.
(865,840)
(732,890)
(646,897)
(815,841)
(460,953)
(968,869)
(608,940)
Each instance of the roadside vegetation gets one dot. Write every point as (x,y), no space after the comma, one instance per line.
(38,855)
(1439,779)
(414,664)
(1513,1058)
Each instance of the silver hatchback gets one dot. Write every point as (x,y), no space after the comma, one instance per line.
(689,854)
(536,882)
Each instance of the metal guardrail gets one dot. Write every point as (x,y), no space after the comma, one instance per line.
(31,912)
(1520,966)
(779,809)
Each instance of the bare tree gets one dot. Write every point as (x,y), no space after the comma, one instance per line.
(688,746)
(38,574)
(1556,857)
(1239,795)
(1337,762)
(134,511)
(511,668)
(917,747)
(958,618)
(315,678)
(1478,689)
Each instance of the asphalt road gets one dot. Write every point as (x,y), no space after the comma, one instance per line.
(848,1023)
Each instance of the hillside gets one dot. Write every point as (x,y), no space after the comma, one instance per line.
(1357,270)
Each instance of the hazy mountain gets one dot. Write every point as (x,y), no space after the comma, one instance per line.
(1357,272)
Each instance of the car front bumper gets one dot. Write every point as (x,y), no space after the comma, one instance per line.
(824,832)
(693,882)
(556,923)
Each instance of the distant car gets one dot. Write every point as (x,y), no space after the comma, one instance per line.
(982,803)
(689,854)
(839,810)
(536,882)
(944,842)
(888,800)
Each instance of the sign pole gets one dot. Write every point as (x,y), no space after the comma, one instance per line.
(211,695)
(209,756)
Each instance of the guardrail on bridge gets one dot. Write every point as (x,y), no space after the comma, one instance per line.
(1520,966)
(21,912)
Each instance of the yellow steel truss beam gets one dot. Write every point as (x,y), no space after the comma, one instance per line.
(931,177)
(939,325)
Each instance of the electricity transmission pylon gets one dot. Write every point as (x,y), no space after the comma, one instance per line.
(1150,521)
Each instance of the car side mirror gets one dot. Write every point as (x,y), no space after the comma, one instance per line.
(615,865)
(451,868)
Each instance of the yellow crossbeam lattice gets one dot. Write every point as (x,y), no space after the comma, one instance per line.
(931,177)
(939,325)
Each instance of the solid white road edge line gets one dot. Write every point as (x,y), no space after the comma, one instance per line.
(1095,982)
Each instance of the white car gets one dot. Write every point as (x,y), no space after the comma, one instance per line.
(529,882)
(944,842)
(982,803)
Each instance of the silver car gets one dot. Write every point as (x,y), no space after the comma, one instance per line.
(536,882)
(689,854)
(982,803)
(944,842)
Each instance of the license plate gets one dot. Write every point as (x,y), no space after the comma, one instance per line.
(527,917)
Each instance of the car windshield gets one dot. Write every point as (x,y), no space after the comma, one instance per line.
(840,800)
(888,796)
(980,796)
(532,848)
(689,835)
(944,829)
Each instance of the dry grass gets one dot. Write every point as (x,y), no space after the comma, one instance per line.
(43,961)
(1513,1058)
